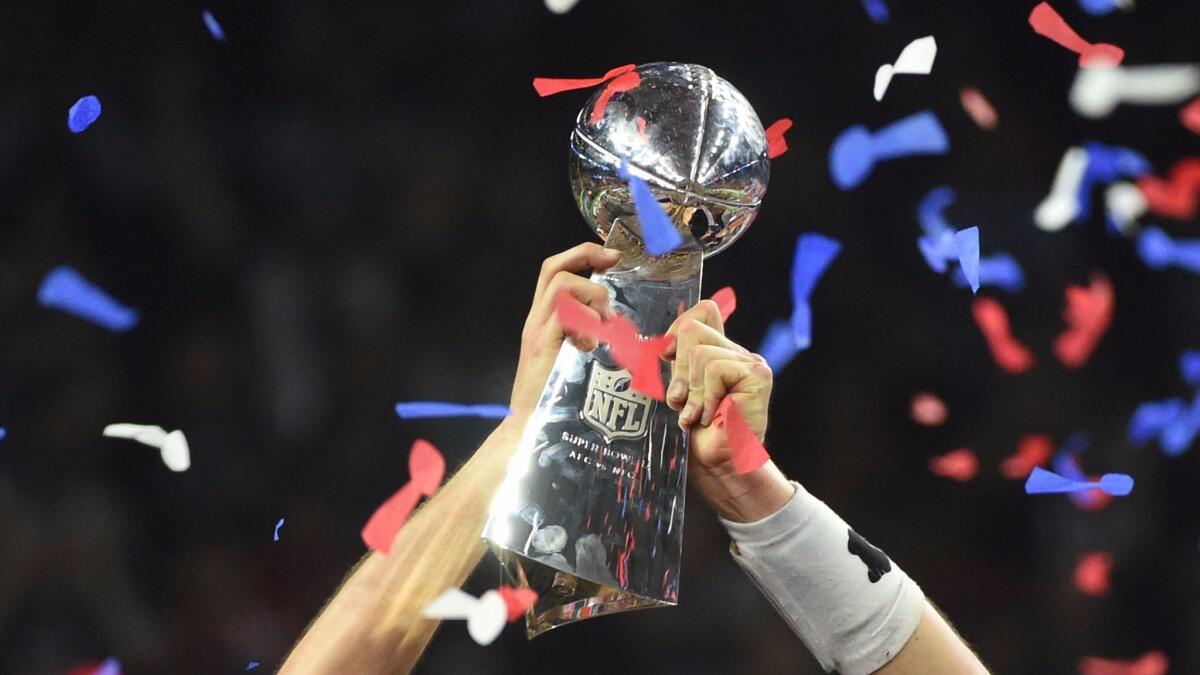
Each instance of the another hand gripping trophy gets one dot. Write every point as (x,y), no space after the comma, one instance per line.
(590,515)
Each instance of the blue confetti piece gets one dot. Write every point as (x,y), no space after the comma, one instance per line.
(214,28)
(856,150)
(66,290)
(3,433)
(252,665)
(814,253)
(1189,367)
(81,115)
(1099,7)
(999,270)
(277,526)
(111,666)
(967,243)
(877,10)
(1106,164)
(1179,434)
(658,232)
(414,410)
(1151,418)
(778,345)
(931,211)
(1041,481)
(1159,251)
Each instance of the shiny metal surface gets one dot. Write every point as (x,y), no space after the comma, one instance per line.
(692,136)
(590,514)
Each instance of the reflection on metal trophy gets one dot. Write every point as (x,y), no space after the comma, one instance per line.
(590,514)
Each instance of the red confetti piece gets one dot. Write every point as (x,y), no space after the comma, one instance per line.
(776,143)
(1151,663)
(1175,197)
(726,301)
(748,452)
(1088,316)
(1189,116)
(623,82)
(1032,450)
(1092,572)
(518,600)
(928,409)
(1012,356)
(1046,21)
(548,86)
(641,357)
(960,465)
(979,108)
(426,468)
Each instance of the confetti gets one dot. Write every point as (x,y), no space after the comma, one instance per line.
(1066,464)
(3,433)
(1189,116)
(1092,572)
(1062,204)
(1102,7)
(426,468)
(109,666)
(172,447)
(622,82)
(1105,164)
(1096,92)
(642,358)
(1179,433)
(778,345)
(277,526)
(979,108)
(658,232)
(517,600)
(1151,418)
(915,59)
(814,253)
(548,86)
(726,301)
(960,465)
(1189,367)
(485,616)
(856,150)
(1032,451)
(748,452)
(1045,21)
(561,6)
(1000,270)
(252,665)
(81,115)
(66,290)
(877,10)
(940,243)
(928,409)
(1175,197)
(214,28)
(1159,251)
(1088,316)
(1012,356)
(1151,663)
(1041,481)
(415,410)
(776,143)
(1124,204)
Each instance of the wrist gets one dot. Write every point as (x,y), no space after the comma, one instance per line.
(748,497)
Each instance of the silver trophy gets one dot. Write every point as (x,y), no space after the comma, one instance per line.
(590,515)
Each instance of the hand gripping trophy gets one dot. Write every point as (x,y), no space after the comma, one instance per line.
(590,515)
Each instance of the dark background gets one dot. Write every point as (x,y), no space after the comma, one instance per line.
(344,206)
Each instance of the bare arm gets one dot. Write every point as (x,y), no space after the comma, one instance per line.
(373,623)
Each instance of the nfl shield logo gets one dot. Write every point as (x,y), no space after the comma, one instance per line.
(613,407)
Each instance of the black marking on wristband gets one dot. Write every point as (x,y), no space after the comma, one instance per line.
(876,561)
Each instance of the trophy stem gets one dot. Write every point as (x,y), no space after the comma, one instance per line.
(590,514)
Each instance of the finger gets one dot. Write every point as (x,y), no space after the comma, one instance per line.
(725,376)
(698,359)
(589,255)
(706,312)
(593,297)
(690,335)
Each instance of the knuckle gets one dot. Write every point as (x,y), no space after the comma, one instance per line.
(762,370)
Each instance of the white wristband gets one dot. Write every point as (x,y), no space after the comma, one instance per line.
(852,607)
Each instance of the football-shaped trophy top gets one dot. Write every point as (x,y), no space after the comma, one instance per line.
(690,135)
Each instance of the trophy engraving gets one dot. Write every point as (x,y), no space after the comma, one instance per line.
(590,514)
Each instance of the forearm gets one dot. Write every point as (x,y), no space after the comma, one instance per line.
(855,610)
(373,624)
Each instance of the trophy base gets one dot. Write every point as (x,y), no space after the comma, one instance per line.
(563,597)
